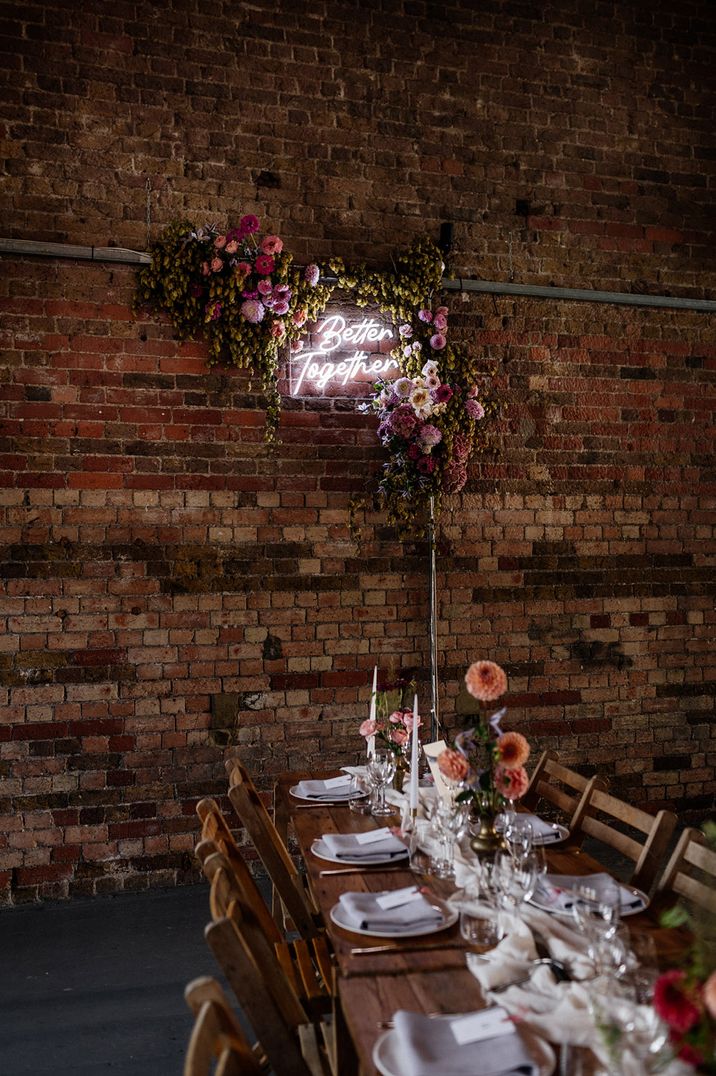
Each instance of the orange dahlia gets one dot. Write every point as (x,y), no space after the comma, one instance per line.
(513,750)
(486,681)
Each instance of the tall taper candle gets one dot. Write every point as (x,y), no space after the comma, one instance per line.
(371,739)
(414,746)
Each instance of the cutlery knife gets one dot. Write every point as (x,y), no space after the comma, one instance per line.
(399,950)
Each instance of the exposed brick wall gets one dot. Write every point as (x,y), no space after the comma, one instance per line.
(169,586)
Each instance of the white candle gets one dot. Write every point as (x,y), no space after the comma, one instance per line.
(371,739)
(414,746)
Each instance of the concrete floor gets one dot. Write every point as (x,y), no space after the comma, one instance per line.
(96,986)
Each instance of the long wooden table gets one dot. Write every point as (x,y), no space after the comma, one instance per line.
(426,974)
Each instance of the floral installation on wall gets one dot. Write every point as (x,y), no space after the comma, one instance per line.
(239,292)
(244,296)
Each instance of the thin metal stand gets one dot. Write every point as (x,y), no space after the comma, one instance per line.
(433,627)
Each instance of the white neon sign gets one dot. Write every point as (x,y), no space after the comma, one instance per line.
(335,336)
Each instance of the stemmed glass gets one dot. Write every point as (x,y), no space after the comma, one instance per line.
(515,878)
(596,913)
(518,835)
(381,770)
(449,823)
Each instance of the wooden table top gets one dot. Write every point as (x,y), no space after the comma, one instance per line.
(428,973)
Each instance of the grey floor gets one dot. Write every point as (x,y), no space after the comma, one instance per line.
(96,986)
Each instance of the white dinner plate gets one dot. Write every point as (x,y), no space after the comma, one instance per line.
(559,833)
(319,849)
(340,795)
(449,914)
(387,1059)
(639,899)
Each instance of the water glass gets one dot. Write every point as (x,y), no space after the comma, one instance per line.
(381,770)
(478,931)
(515,878)
(417,834)
(361,793)
(448,824)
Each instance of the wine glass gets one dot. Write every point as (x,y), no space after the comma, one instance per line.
(449,823)
(596,913)
(381,770)
(519,835)
(516,879)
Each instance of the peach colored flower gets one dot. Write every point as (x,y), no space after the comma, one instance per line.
(511,783)
(399,736)
(710,994)
(220,242)
(271,244)
(513,750)
(486,681)
(453,765)
(278,329)
(216,265)
(232,246)
(408,720)
(368,728)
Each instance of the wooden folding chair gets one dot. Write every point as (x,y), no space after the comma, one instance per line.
(218,1044)
(270,1004)
(307,964)
(691,871)
(272,851)
(565,789)
(639,836)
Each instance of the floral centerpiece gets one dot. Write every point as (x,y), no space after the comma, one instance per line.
(240,292)
(487,762)
(393,723)
(685,998)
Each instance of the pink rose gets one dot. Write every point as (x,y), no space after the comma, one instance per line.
(271,244)
(297,345)
(278,329)
(396,718)
(281,307)
(299,318)
(232,246)
(242,270)
(425,316)
(220,242)
(437,342)
(216,265)
(368,728)
(399,737)
(440,322)
(442,310)
(264,287)
(205,268)
(408,720)
(311,274)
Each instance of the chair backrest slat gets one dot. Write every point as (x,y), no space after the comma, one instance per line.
(691,871)
(565,789)
(217,1035)
(271,849)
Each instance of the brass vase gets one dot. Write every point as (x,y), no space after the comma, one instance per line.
(401,770)
(487,840)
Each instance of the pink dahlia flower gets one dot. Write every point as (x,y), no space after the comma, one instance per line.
(265,287)
(368,728)
(249,224)
(253,311)
(426,465)
(437,342)
(453,765)
(440,322)
(474,409)
(442,394)
(242,269)
(511,783)
(486,681)
(271,244)
(265,264)
(513,750)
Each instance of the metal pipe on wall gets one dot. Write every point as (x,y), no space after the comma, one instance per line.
(122,256)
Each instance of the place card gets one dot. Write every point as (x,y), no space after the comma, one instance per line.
(336,782)
(432,750)
(398,897)
(486,1024)
(373,835)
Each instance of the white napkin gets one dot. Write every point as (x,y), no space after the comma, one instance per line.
(542,832)
(346,846)
(317,790)
(510,959)
(361,910)
(427,1047)
(557,891)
